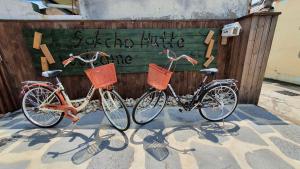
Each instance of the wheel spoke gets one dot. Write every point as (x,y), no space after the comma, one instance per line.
(218,103)
(31,103)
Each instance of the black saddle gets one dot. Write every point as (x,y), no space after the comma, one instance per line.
(210,71)
(51,73)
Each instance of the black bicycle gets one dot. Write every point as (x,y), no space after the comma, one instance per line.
(215,100)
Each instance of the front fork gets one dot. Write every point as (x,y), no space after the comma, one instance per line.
(108,102)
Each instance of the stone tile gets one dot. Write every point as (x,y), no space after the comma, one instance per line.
(265,159)
(290,149)
(213,157)
(184,133)
(247,135)
(160,153)
(291,131)
(261,116)
(184,116)
(113,152)
(262,129)
(67,146)
(16,165)
(34,139)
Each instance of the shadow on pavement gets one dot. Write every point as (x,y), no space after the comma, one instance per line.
(155,143)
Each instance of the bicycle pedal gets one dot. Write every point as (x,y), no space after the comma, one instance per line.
(180,110)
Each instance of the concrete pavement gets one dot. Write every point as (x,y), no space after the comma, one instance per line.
(281,99)
(250,138)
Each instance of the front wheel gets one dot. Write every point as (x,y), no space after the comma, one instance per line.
(115,110)
(218,103)
(149,106)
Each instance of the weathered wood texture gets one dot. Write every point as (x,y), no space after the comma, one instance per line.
(249,53)
(241,58)
(131,50)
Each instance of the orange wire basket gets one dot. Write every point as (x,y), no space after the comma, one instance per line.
(158,77)
(102,76)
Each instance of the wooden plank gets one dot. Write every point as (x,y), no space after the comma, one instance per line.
(209,48)
(130,48)
(209,37)
(254,58)
(207,63)
(260,55)
(37,40)
(265,58)
(44,63)
(247,61)
(47,54)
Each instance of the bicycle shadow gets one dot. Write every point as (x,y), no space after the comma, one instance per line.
(100,143)
(155,140)
(80,146)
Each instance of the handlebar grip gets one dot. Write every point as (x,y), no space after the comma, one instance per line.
(191,60)
(67,61)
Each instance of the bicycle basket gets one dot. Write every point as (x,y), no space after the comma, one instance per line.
(102,76)
(158,77)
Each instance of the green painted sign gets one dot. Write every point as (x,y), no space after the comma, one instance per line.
(131,49)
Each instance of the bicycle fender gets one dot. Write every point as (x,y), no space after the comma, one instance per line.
(216,83)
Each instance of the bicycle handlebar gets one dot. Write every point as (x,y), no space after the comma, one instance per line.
(72,58)
(175,58)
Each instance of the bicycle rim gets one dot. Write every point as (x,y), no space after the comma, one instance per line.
(115,110)
(218,103)
(30,105)
(149,106)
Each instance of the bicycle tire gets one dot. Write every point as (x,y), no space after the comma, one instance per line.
(223,117)
(30,118)
(144,96)
(110,119)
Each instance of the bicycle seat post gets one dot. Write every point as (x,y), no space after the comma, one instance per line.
(204,79)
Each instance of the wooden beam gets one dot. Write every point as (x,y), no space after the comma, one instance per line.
(209,37)
(44,63)
(207,63)
(210,47)
(47,54)
(37,40)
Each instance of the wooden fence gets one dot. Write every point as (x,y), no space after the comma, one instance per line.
(243,58)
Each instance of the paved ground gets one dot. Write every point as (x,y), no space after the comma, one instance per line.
(276,99)
(251,138)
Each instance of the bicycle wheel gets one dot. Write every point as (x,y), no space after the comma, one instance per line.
(149,106)
(115,110)
(31,102)
(218,103)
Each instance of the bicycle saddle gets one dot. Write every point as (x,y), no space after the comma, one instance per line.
(51,73)
(210,71)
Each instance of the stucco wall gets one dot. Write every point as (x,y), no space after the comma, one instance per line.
(284,60)
(135,9)
(20,9)
(163,9)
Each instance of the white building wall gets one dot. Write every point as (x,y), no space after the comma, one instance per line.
(135,9)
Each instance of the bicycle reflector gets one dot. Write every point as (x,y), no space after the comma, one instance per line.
(102,76)
(158,77)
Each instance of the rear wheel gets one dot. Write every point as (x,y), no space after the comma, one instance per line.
(218,103)
(115,110)
(149,106)
(31,102)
